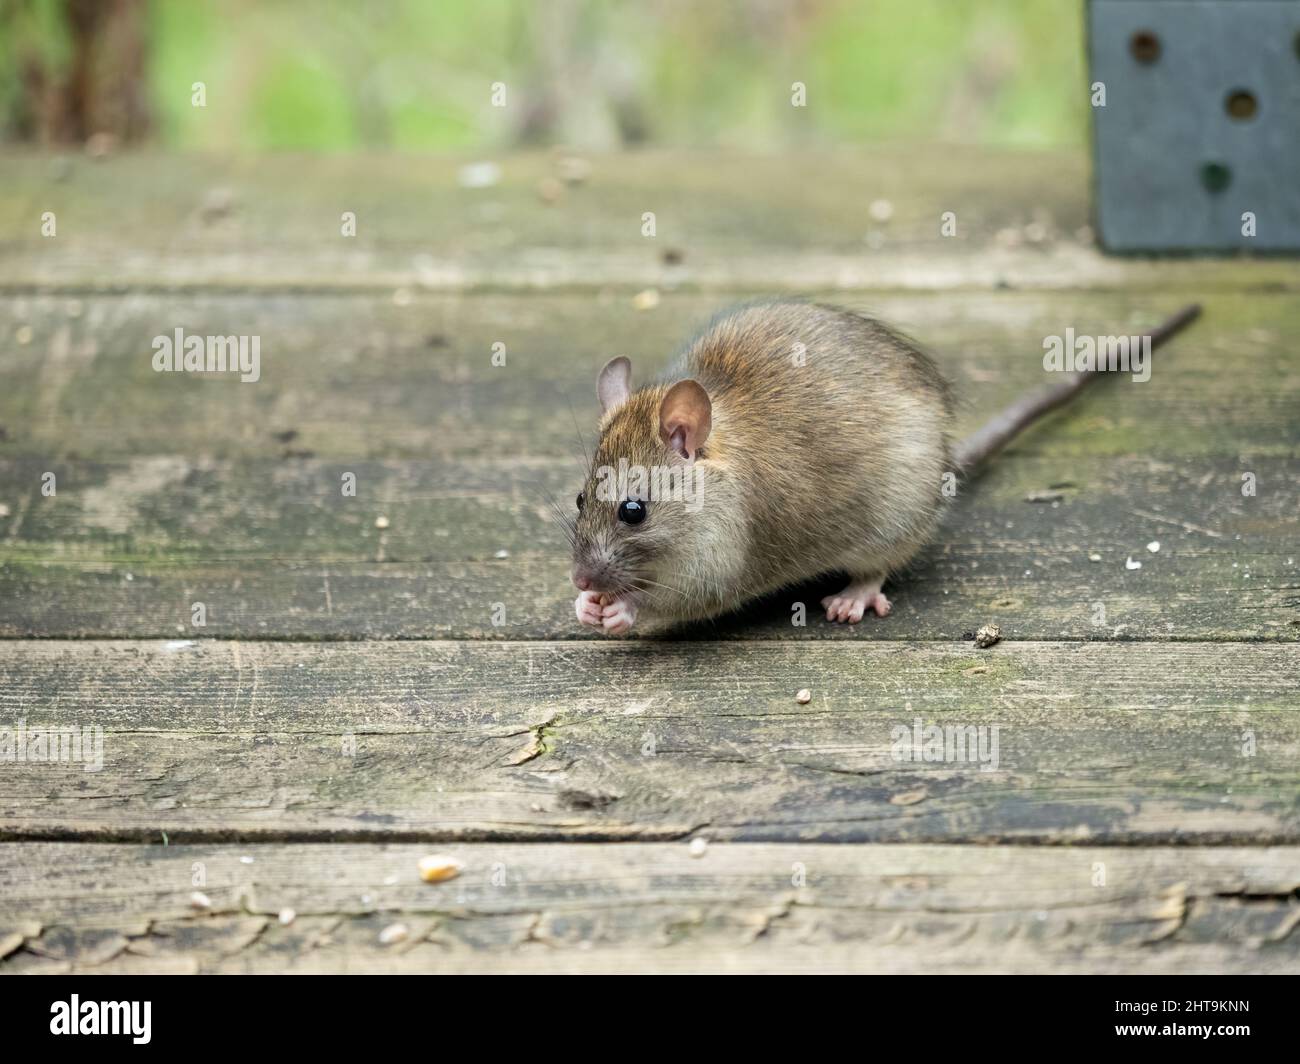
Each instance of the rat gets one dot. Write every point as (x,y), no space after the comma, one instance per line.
(789,440)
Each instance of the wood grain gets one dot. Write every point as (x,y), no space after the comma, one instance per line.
(444,741)
(172,491)
(645,907)
(732,221)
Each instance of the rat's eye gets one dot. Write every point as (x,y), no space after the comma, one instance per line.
(582,497)
(631,511)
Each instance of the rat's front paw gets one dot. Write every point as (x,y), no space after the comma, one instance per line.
(619,616)
(589,607)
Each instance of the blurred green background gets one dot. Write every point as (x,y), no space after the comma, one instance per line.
(416,75)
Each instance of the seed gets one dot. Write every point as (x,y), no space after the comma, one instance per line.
(987,635)
(549,190)
(199,900)
(698,846)
(573,170)
(803,697)
(393,933)
(438,867)
(287,916)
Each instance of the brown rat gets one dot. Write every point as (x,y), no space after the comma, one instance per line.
(788,441)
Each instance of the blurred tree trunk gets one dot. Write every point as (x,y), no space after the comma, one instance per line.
(96,85)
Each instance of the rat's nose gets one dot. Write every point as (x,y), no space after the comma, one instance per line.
(581,582)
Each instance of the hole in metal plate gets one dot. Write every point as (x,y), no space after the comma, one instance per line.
(1241,104)
(1144,46)
(1215,177)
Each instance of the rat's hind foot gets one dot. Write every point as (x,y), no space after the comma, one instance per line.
(854,600)
(588,607)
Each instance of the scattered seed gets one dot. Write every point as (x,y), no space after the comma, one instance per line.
(573,169)
(101,145)
(1153,546)
(909,797)
(439,867)
(199,900)
(502,554)
(478,175)
(698,846)
(1129,563)
(393,933)
(381,521)
(245,860)
(881,210)
(647,300)
(987,635)
(217,203)
(549,190)
(287,916)
(1045,496)
(1094,557)
(803,697)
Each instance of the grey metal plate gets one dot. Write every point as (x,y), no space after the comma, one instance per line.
(1165,121)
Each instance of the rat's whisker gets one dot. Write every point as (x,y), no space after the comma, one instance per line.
(566,521)
(655,583)
(581,440)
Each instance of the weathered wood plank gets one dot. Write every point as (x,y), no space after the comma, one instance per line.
(731,221)
(274,550)
(1097,743)
(355,377)
(651,907)
(173,491)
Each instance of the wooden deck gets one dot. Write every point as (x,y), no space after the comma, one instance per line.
(358,699)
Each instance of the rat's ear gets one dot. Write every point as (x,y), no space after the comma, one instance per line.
(685,418)
(614,384)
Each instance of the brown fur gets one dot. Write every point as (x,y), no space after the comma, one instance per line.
(833,465)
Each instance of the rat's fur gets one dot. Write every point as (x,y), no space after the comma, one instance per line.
(833,465)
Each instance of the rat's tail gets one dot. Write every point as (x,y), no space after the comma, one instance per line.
(995,433)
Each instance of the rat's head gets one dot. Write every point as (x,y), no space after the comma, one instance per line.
(639,512)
